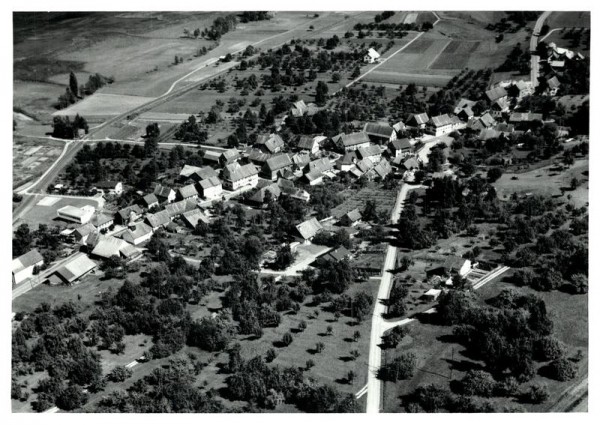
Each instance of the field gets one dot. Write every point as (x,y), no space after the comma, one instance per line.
(31,157)
(103,105)
(549,182)
(569,20)
(455,55)
(47,214)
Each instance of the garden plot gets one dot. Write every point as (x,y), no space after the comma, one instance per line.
(384,200)
(31,159)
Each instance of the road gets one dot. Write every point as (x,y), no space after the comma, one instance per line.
(533,42)
(378,325)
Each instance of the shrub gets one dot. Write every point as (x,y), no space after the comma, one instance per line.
(536,394)
(119,374)
(562,369)
(479,383)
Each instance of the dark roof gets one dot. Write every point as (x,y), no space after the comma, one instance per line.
(309,228)
(278,162)
(418,119)
(353,139)
(400,144)
(337,254)
(348,158)
(188,191)
(26,260)
(306,142)
(496,93)
(378,130)
(107,184)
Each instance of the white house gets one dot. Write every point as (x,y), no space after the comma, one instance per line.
(211,188)
(111,187)
(76,215)
(236,176)
(372,56)
(138,234)
(22,267)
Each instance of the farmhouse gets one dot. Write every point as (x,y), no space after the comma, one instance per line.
(495,94)
(308,229)
(157,220)
(74,270)
(76,215)
(364,165)
(479,123)
(417,121)
(400,148)
(110,247)
(129,214)
(111,187)
(373,153)
(150,201)
(258,157)
(300,160)
(346,162)
(137,234)
(259,197)
(444,124)
(379,133)
(229,157)
(300,108)
(211,188)
(499,107)
(289,189)
(187,192)
(351,218)
(276,165)
(192,218)
(81,234)
(553,85)
(211,156)
(23,266)
(164,194)
(464,109)
(316,169)
(103,221)
(399,126)
(177,208)
(432,294)
(187,171)
(382,169)
(236,176)
(354,141)
(452,265)
(337,254)
(371,56)
(308,143)
(270,143)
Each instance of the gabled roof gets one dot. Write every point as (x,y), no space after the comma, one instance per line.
(162,191)
(553,83)
(309,228)
(236,172)
(177,208)
(258,156)
(204,173)
(364,165)
(28,259)
(188,170)
(496,93)
(401,144)
(373,53)
(410,164)
(487,120)
(524,117)
(79,265)
(188,191)
(195,216)
(139,230)
(502,104)
(301,159)
(84,230)
(348,158)
(129,251)
(378,130)
(441,120)
(368,151)
(418,119)
(109,246)
(271,142)
(159,219)
(212,156)
(399,126)
(125,212)
(322,164)
(259,195)
(353,215)
(354,139)
(278,162)
(465,104)
(230,154)
(107,184)
(383,168)
(150,199)
(210,182)
(306,142)
(337,254)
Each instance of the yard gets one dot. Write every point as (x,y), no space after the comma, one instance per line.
(384,201)
(45,212)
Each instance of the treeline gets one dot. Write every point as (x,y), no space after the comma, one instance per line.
(254,16)
(74,91)
(220,26)
(64,128)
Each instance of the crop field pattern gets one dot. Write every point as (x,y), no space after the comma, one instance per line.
(455,55)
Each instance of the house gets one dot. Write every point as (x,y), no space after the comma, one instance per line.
(432,294)
(164,194)
(103,221)
(23,266)
(187,171)
(258,157)
(553,85)
(495,94)
(260,195)
(354,141)
(187,192)
(276,165)
(81,234)
(351,218)
(270,143)
(364,165)
(150,201)
(464,109)
(400,148)
(111,187)
(193,217)
(444,124)
(524,120)
(308,229)
(157,220)
(479,123)
(229,157)
(129,214)
(214,157)
(417,121)
(211,188)
(451,265)
(399,127)
(235,176)
(379,133)
(308,143)
(300,108)
(372,152)
(525,88)
(499,107)
(337,254)
(177,208)
(138,234)
(300,160)
(196,173)
(371,56)
(382,169)
(315,170)
(76,215)
(110,246)
(289,189)
(346,162)
(79,266)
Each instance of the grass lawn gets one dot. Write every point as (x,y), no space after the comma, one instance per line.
(569,20)
(103,105)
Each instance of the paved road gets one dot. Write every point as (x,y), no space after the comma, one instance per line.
(533,42)
(378,323)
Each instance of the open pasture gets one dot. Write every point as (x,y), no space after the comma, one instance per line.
(102,105)
(569,20)
(456,55)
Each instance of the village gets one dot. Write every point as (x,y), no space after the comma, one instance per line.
(273,244)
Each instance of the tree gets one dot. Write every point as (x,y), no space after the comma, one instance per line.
(478,383)
(71,398)
(319,347)
(356,336)
(321,93)
(287,339)
(152,130)
(536,394)
(402,367)
(22,240)
(150,147)
(119,374)
(561,369)
(73,85)
(494,174)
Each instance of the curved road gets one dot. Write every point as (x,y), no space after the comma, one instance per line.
(533,42)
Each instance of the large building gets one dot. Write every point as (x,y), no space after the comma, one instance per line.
(211,188)
(72,271)
(22,267)
(236,176)
(76,215)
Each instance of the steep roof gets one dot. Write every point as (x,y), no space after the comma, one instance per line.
(278,162)
(354,139)
(368,151)
(419,119)
(524,117)
(306,142)
(150,199)
(210,182)
(378,130)
(195,216)
(309,228)
(107,184)
(109,246)
(337,254)
(177,208)
(125,212)
(188,170)
(258,156)
(364,165)
(236,172)
(230,154)
(353,215)
(400,144)
(553,82)
(348,158)
(204,173)
(159,219)
(259,195)
(441,120)
(79,265)
(162,191)
(140,229)
(322,164)
(410,163)
(383,168)
(85,230)
(188,191)
(301,159)
(373,53)
(28,259)
(271,142)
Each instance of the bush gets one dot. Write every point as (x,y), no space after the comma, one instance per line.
(479,383)
(71,398)
(562,370)
(494,174)
(549,348)
(119,374)
(536,394)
